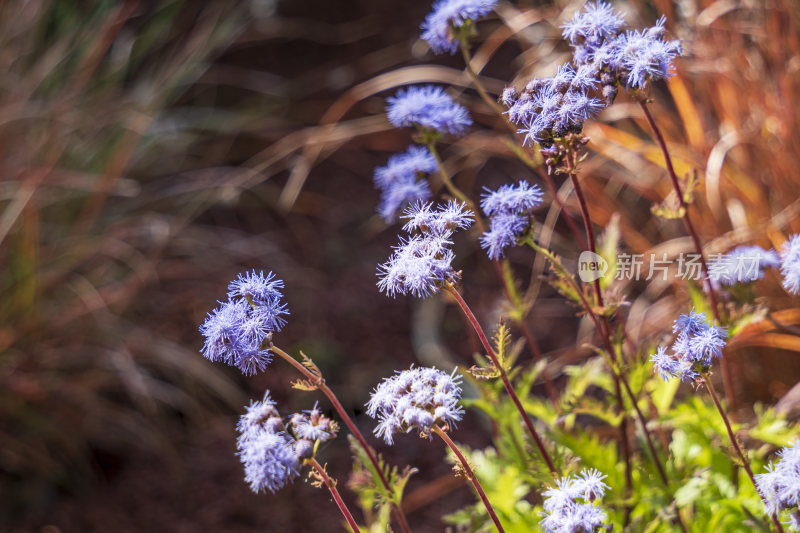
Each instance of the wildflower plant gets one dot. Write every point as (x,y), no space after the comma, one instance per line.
(600,418)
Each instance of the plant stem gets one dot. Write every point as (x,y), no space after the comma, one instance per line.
(727,379)
(503,376)
(319,382)
(587,222)
(603,329)
(618,376)
(548,179)
(479,86)
(470,475)
(455,191)
(505,274)
(331,484)
(734,442)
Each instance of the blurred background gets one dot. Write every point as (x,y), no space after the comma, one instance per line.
(152,150)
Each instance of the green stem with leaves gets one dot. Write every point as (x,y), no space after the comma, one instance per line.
(611,360)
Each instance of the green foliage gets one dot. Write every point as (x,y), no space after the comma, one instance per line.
(709,491)
(375,500)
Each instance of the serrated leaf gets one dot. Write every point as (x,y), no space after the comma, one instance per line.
(303,384)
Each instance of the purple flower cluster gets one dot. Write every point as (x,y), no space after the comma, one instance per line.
(790,264)
(604,57)
(267,451)
(421,263)
(398,180)
(427,107)
(780,485)
(553,107)
(309,427)
(695,347)
(439,27)
(509,209)
(235,332)
(612,56)
(742,265)
(570,508)
(417,398)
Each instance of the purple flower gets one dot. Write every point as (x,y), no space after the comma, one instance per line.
(444,220)
(780,485)
(312,425)
(265,449)
(553,107)
(570,506)
(447,15)
(643,56)
(664,364)
(421,263)
(790,264)
(405,167)
(595,23)
(236,332)
(402,194)
(519,198)
(417,398)
(428,107)
(694,349)
(504,229)
(509,208)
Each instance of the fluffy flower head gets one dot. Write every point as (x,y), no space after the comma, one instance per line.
(405,166)
(697,344)
(569,506)
(552,107)
(265,449)
(595,23)
(313,425)
(447,15)
(780,485)
(642,56)
(415,399)
(422,262)
(517,198)
(235,332)
(509,210)
(428,107)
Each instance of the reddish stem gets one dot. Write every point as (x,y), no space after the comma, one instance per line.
(319,382)
(470,475)
(331,484)
(503,376)
(735,443)
(548,179)
(604,330)
(727,379)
